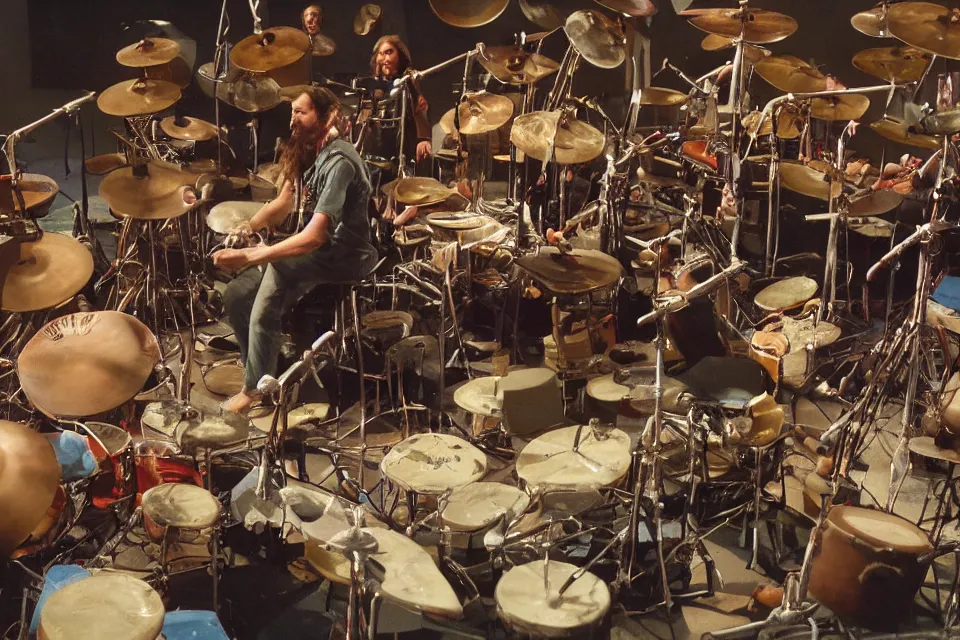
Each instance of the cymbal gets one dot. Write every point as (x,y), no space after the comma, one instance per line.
(543,14)
(760,27)
(633,8)
(138,97)
(50,271)
(29,476)
(944,123)
(659,97)
(83,364)
(929,27)
(468,13)
(158,196)
(714,42)
(573,141)
(227,215)
(791,74)
(479,113)
(893,64)
(515,65)
(872,22)
(875,203)
(900,132)
(274,48)
(188,128)
(148,52)
(873,227)
(251,93)
(321,45)
(421,191)
(579,271)
(842,107)
(802,179)
(37,191)
(103,164)
(432,463)
(550,460)
(786,294)
(597,38)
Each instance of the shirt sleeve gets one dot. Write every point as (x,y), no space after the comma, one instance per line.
(331,198)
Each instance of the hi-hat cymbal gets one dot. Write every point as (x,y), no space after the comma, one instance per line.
(929,27)
(803,179)
(479,113)
(714,42)
(83,364)
(900,132)
(842,107)
(760,26)
(893,64)
(138,97)
(468,13)
(571,141)
(791,74)
(157,196)
(579,271)
(872,22)
(634,8)
(50,271)
(659,97)
(29,476)
(148,52)
(274,48)
(597,38)
(37,191)
(251,92)
(421,191)
(514,65)
(188,128)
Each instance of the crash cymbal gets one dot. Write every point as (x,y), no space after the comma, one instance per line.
(791,74)
(659,97)
(714,42)
(468,13)
(760,26)
(944,123)
(874,203)
(893,64)
(274,48)
(251,93)
(156,196)
(800,178)
(843,107)
(872,22)
(138,97)
(543,134)
(929,27)
(597,38)
(50,271)
(83,364)
(29,476)
(634,8)
(579,271)
(103,164)
(188,128)
(479,113)
(37,190)
(543,14)
(900,132)
(225,216)
(421,191)
(514,65)
(148,52)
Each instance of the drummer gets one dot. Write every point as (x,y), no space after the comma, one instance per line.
(323,176)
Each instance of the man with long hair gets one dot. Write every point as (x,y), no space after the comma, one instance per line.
(323,177)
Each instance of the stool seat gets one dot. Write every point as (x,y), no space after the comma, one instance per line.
(213,432)
(182,506)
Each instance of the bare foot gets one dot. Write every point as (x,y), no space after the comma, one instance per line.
(240,403)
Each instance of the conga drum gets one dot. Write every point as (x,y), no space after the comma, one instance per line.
(869,567)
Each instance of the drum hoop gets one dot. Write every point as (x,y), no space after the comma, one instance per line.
(865,542)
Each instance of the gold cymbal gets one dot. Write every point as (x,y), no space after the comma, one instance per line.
(659,97)
(805,180)
(421,191)
(760,26)
(714,42)
(468,13)
(872,22)
(479,113)
(899,132)
(543,14)
(791,74)
(874,203)
(50,271)
(105,163)
(944,123)
(597,38)
(274,48)
(188,128)
(321,45)
(573,141)
(753,125)
(251,92)
(83,364)
(842,107)
(929,27)
(148,52)
(138,97)
(37,191)
(580,271)
(514,65)
(157,196)
(893,64)
(29,477)
(633,8)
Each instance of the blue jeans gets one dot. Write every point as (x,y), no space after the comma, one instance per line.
(256,300)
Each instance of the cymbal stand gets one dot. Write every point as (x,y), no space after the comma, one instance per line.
(223,29)
(829,290)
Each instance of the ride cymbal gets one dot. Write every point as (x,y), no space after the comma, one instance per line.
(897,131)
(841,107)
(791,74)
(274,48)
(188,128)
(893,64)
(757,26)
(597,38)
(148,52)
(50,271)
(479,113)
(468,13)
(514,65)
(138,97)
(929,27)
(156,196)
(872,22)
(554,134)
(29,477)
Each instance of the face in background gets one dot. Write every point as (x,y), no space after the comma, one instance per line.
(388,59)
(312,19)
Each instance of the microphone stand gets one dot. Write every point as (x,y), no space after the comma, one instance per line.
(218,56)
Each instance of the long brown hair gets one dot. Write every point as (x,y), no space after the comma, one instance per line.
(402,50)
(300,150)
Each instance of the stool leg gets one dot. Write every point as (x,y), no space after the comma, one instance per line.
(363,382)
(214,566)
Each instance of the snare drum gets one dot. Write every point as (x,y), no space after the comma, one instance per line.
(869,566)
(113,449)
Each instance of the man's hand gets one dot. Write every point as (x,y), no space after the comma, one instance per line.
(232,259)
(242,229)
(422,104)
(424,149)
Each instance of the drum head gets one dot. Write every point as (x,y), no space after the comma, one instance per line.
(113,438)
(602,458)
(433,463)
(183,506)
(881,529)
(224,378)
(480,504)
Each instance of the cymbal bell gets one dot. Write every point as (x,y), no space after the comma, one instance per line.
(897,131)
(479,113)
(138,97)
(468,13)
(659,97)
(29,477)
(50,271)
(598,39)
(893,64)
(805,180)
(515,65)
(148,52)
(841,107)
(632,8)
(188,128)
(554,134)
(156,196)
(929,27)
(274,48)
(872,22)
(760,26)
(791,74)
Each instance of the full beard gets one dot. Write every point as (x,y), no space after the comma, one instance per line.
(297,153)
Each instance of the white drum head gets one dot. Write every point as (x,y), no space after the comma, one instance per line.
(550,461)
(432,463)
(478,396)
(108,605)
(478,505)
(184,506)
(881,529)
(604,389)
